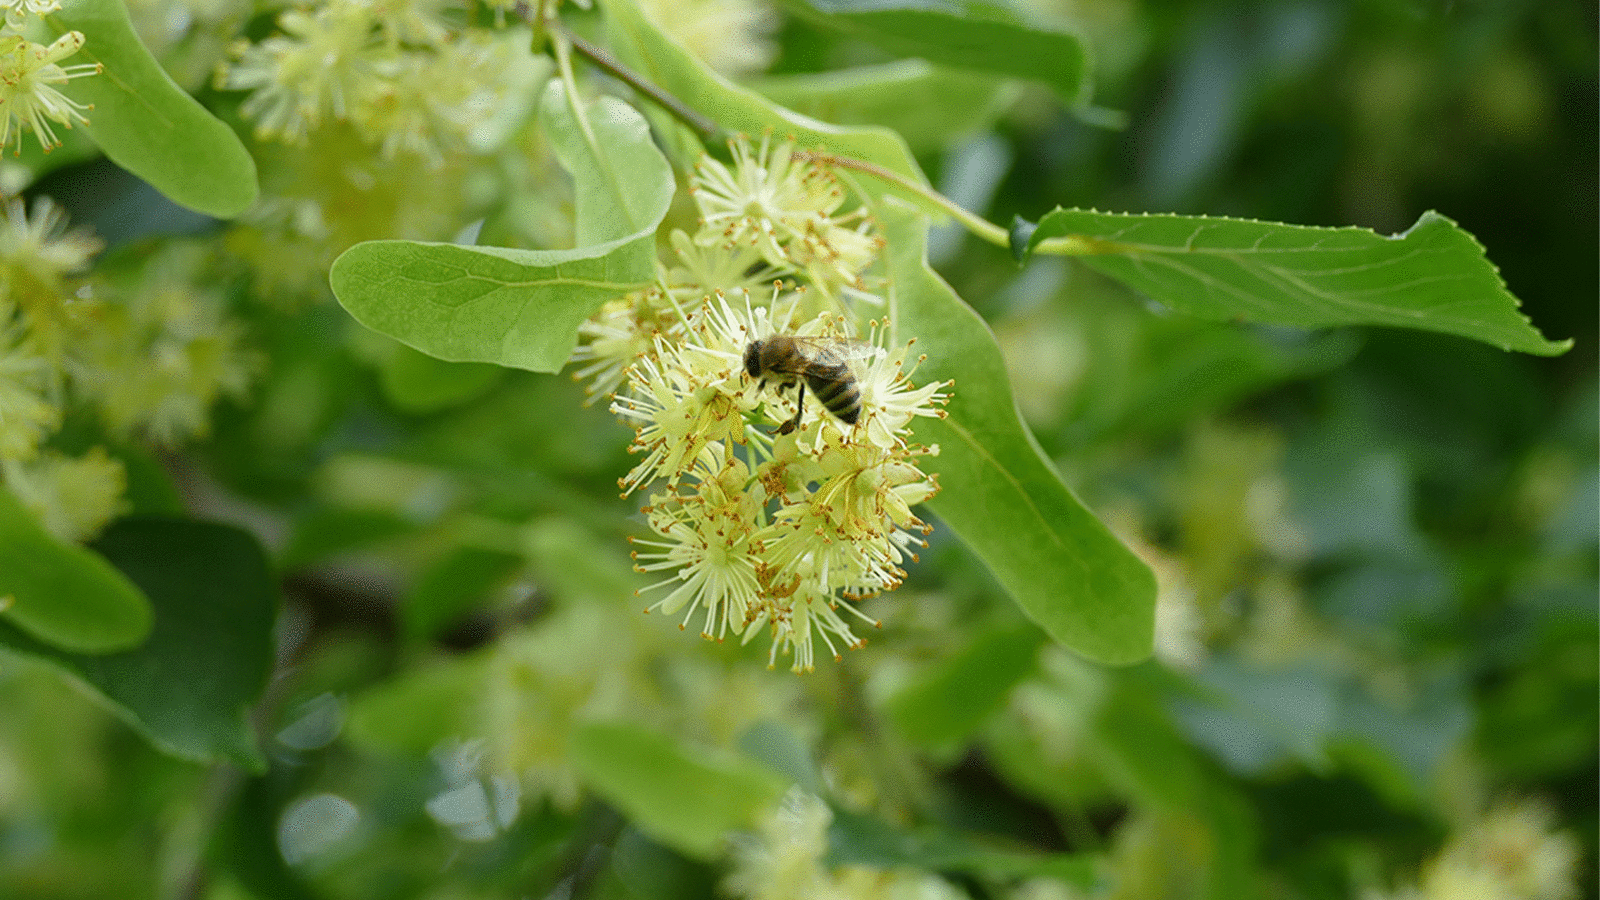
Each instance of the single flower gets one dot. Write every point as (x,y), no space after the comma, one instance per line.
(29,76)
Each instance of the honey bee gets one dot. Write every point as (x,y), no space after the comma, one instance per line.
(809,362)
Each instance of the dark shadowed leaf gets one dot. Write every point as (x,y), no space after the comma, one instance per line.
(190,686)
(972,34)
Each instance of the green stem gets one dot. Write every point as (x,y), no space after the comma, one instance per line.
(976,224)
(1066,245)
(560,43)
(710,132)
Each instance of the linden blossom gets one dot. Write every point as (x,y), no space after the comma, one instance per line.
(756,531)
(774,540)
(786,208)
(28,72)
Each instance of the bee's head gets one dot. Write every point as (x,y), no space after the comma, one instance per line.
(752,358)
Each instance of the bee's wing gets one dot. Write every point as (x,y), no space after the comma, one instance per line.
(848,349)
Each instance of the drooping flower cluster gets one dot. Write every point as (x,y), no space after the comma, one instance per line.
(400,74)
(756,527)
(734,37)
(149,357)
(787,209)
(1512,850)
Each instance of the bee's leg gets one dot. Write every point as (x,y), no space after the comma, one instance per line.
(799,408)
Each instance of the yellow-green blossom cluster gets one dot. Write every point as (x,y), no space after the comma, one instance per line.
(407,79)
(784,860)
(787,209)
(1513,851)
(756,530)
(149,359)
(733,37)
(30,77)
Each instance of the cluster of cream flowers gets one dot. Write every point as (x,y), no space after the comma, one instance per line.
(412,77)
(785,859)
(405,77)
(148,359)
(30,74)
(756,530)
(1511,851)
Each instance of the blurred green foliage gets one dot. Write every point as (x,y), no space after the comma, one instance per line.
(1377,549)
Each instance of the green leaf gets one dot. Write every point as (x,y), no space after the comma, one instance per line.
(926,104)
(1257,719)
(151,490)
(244,843)
(1133,740)
(782,750)
(1021,235)
(623,184)
(737,109)
(519,308)
(522,308)
(998,491)
(147,124)
(190,686)
(973,34)
(687,798)
(61,594)
(451,587)
(855,839)
(1153,376)
(1433,277)
(325,532)
(953,700)
(418,383)
(430,702)
(1136,744)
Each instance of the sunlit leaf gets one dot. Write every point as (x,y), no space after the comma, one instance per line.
(522,308)
(1433,277)
(974,34)
(928,105)
(684,797)
(737,109)
(61,594)
(998,491)
(189,687)
(147,124)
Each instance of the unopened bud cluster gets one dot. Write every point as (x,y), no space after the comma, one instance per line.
(758,528)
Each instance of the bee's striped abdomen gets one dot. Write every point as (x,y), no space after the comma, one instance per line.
(834,386)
